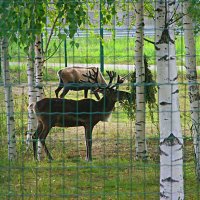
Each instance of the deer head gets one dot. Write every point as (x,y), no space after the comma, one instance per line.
(111,90)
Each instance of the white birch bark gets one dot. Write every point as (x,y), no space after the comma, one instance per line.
(39,68)
(32,122)
(193,88)
(171,141)
(12,153)
(141,148)
(39,80)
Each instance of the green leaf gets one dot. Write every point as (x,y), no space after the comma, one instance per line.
(72,43)
(62,36)
(77,45)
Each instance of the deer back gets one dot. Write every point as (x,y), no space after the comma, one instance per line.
(71,113)
(74,74)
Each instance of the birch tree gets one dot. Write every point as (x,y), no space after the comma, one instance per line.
(32,123)
(12,153)
(193,88)
(171,141)
(6,22)
(141,149)
(39,68)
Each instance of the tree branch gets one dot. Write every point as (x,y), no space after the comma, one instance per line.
(51,33)
(53,53)
(147,40)
(177,19)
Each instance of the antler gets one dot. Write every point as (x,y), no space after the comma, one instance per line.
(90,76)
(111,75)
(120,80)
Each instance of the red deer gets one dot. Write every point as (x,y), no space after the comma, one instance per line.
(53,112)
(70,76)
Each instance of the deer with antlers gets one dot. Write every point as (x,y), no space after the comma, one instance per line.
(53,112)
(69,78)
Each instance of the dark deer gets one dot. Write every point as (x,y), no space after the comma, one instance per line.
(69,79)
(53,112)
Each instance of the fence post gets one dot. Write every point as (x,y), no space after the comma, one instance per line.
(65,52)
(101,39)
(0,61)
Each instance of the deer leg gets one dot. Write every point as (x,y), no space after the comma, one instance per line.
(58,90)
(65,91)
(85,93)
(42,138)
(34,145)
(88,141)
(97,95)
(60,86)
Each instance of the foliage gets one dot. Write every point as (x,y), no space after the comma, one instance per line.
(22,20)
(150,92)
(195,14)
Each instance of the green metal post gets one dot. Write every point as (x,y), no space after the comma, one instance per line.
(65,51)
(101,38)
(0,59)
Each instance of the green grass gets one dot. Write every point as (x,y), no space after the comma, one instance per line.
(114,172)
(118,51)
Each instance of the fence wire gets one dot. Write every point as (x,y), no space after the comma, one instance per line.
(115,172)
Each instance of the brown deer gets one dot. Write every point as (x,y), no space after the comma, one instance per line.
(69,79)
(53,112)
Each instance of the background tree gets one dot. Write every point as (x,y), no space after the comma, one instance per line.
(191,74)
(5,17)
(12,153)
(32,123)
(141,148)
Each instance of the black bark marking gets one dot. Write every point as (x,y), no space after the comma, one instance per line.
(174,79)
(172,3)
(164,196)
(163,58)
(165,37)
(162,152)
(12,118)
(177,91)
(178,158)
(158,10)
(164,103)
(171,141)
(170,179)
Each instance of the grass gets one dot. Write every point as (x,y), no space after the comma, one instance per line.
(118,51)
(114,172)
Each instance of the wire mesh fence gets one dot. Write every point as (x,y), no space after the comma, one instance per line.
(104,39)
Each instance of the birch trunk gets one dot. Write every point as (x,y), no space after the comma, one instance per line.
(39,68)
(171,141)
(141,148)
(39,80)
(32,122)
(193,89)
(12,153)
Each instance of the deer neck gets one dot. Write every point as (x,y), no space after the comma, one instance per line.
(107,103)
